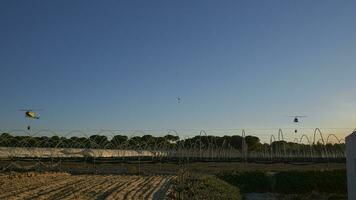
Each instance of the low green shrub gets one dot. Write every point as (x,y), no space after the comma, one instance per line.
(305,196)
(304,182)
(289,182)
(293,182)
(206,187)
(248,181)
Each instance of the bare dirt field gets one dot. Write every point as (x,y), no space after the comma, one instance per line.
(66,186)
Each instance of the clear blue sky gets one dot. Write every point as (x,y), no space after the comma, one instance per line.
(121,64)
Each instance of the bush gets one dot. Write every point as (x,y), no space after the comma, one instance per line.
(293,182)
(249,181)
(290,182)
(207,187)
(304,182)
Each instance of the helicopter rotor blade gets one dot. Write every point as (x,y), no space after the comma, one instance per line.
(40,109)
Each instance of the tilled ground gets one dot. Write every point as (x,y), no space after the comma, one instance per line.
(66,186)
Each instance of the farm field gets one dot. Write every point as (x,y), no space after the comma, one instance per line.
(66,186)
(163,168)
(219,167)
(144,180)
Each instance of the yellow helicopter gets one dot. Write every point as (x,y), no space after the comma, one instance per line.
(31,114)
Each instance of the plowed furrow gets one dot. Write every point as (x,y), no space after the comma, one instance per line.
(50,193)
(53,187)
(111,183)
(22,188)
(120,193)
(130,194)
(161,191)
(149,194)
(69,189)
(82,193)
(113,192)
(100,187)
(109,190)
(22,183)
(140,194)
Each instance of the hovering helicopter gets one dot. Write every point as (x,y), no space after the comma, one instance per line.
(296,120)
(31,114)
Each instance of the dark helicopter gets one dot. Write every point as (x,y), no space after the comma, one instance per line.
(31,114)
(296,120)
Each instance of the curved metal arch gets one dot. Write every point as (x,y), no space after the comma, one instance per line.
(317,130)
(114,145)
(32,136)
(270,139)
(280,135)
(270,143)
(301,139)
(332,135)
(173,131)
(103,132)
(200,143)
(45,130)
(322,139)
(18,130)
(309,143)
(180,144)
(69,133)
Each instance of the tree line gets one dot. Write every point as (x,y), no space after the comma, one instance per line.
(167,142)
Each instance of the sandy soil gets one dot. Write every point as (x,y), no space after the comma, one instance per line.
(66,186)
